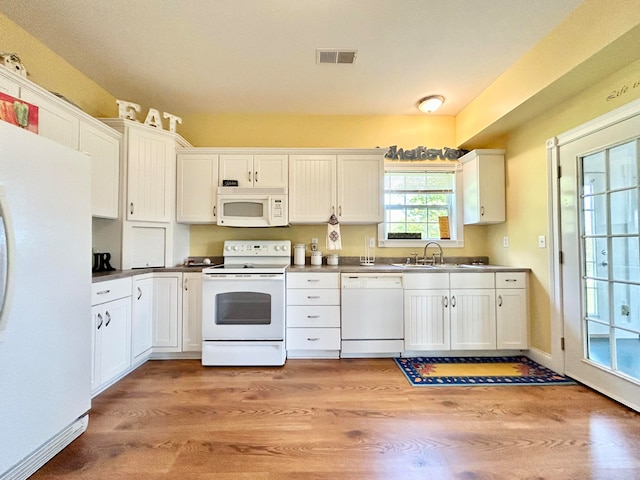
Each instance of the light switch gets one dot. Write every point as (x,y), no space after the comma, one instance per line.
(542,241)
(505,242)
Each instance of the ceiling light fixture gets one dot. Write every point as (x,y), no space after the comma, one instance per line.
(431,103)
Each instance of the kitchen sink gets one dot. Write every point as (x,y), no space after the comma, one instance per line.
(422,266)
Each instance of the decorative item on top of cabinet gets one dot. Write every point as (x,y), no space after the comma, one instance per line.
(313,315)
(347,183)
(484,187)
(254,170)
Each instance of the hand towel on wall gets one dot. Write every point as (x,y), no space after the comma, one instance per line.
(334,240)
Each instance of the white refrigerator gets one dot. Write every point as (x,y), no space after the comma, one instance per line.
(45,296)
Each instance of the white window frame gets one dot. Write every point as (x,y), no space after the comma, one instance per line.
(456,225)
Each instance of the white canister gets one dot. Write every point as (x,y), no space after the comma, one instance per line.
(316,258)
(332,259)
(298,253)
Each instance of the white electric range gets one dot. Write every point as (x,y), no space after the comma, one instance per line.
(243,304)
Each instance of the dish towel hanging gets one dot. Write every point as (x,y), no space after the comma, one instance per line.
(334,241)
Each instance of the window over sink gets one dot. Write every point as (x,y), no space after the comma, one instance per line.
(415,197)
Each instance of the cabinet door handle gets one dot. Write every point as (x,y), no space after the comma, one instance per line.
(255,177)
(445,301)
(103,292)
(339,210)
(131,208)
(214,210)
(139,293)
(186,284)
(499,300)
(481,211)
(100,321)
(108,319)
(249,176)
(453,301)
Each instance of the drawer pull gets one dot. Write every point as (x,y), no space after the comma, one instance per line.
(313,339)
(312,280)
(511,280)
(103,292)
(313,297)
(313,316)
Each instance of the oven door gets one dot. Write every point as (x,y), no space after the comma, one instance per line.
(243,307)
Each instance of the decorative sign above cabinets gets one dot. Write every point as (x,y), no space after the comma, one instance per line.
(424,153)
(127,111)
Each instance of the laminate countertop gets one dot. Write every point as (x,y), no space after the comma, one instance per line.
(344,268)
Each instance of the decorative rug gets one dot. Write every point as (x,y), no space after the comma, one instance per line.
(450,371)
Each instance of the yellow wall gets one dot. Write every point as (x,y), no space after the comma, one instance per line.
(564,81)
(302,131)
(53,73)
(527,187)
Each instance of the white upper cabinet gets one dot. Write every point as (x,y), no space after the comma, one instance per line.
(260,171)
(484,187)
(360,188)
(196,187)
(312,188)
(54,123)
(103,145)
(348,184)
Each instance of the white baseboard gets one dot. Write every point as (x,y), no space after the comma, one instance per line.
(29,465)
(543,358)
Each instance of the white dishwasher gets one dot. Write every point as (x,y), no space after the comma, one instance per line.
(372,314)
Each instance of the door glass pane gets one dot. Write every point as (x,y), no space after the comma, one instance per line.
(611,258)
(598,346)
(628,353)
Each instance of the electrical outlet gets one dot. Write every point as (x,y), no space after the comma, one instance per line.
(372,241)
(542,241)
(505,242)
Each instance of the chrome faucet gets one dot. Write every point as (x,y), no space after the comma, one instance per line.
(433,259)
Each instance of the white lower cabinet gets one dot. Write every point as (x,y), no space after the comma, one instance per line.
(465,311)
(512,310)
(313,315)
(167,312)
(111,339)
(142,318)
(426,312)
(192,312)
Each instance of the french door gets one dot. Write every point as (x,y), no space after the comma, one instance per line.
(600,272)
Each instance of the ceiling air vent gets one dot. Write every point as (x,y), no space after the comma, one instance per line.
(336,56)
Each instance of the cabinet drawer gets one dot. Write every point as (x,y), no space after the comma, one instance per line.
(102,292)
(313,296)
(511,279)
(472,280)
(313,339)
(421,281)
(313,280)
(313,316)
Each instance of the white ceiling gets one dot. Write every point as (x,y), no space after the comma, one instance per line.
(259,56)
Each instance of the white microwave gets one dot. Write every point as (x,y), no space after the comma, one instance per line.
(252,207)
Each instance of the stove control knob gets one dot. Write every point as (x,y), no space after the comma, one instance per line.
(284,247)
(236,248)
(228,248)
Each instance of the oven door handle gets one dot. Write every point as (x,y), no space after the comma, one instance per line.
(252,278)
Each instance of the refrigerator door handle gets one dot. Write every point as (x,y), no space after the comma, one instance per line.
(6,249)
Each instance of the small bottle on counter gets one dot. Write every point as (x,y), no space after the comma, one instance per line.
(316,258)
(332,259)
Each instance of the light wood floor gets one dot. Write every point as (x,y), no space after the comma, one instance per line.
(344,419)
